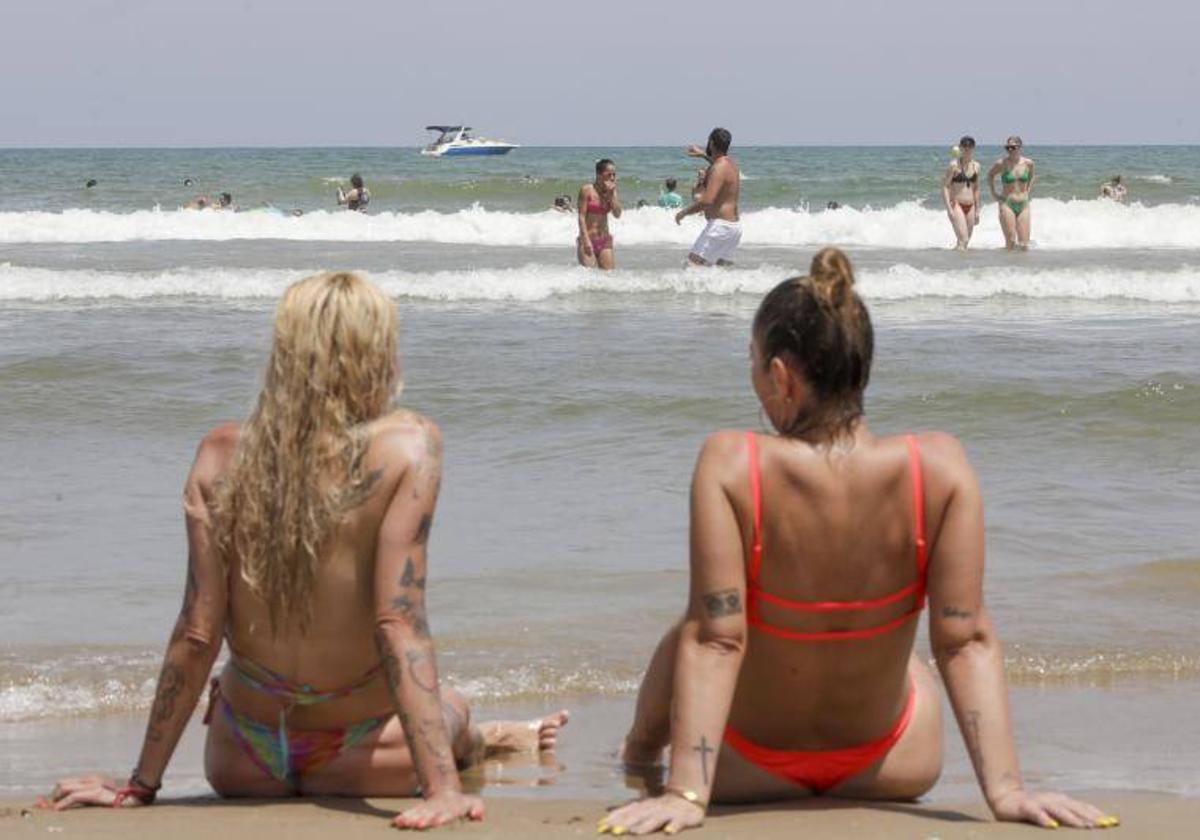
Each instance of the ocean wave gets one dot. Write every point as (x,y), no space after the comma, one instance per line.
(535,282)
(1156,179)
(98,684)
(1058,225)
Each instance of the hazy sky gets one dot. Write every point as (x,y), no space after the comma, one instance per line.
(621,72)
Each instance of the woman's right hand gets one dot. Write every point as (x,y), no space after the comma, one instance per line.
(80,791)
(1050,810)
(441,809)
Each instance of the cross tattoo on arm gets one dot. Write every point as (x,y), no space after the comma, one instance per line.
(704,749)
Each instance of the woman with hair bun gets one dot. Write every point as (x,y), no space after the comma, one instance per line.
(813,553)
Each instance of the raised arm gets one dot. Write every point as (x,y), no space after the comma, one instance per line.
(191,651)
(712,643)
(971,661)
(402,628)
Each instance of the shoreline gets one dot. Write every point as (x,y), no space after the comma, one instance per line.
(1143,814)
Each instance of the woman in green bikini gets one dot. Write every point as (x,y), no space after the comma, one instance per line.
(1017,175)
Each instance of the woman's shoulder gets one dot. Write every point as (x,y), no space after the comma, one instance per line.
(404,434)
(941,453)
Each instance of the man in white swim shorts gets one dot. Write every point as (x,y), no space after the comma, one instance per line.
(718,202)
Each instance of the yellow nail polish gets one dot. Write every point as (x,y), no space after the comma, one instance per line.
(619,830)
(1052,824)
(670,829)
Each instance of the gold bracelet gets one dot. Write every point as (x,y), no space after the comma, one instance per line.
(687,795)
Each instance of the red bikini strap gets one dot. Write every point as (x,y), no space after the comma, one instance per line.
(756,500)
(918,496)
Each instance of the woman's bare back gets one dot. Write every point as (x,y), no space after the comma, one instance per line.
(337,647)
(838,525)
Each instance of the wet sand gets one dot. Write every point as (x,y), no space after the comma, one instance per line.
(1142,815)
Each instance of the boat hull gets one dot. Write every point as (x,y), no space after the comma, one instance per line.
(478,151)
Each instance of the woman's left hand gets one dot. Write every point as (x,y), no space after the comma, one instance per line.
(666,813)
(1050,810)
(80,791)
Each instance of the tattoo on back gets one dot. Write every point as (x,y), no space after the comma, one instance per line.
(722,603)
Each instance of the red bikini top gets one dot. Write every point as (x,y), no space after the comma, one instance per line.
(916,589)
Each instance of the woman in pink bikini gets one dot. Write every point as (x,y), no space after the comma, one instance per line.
(594,245)
(813,552)
(307,532)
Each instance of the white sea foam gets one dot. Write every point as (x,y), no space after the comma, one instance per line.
(1156,179)
(1057,225)
(541,282)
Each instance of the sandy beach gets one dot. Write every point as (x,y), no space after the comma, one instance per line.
(1142,815)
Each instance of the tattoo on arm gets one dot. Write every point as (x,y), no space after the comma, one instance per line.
(391,669)
(971,735)
(422,667)
(722,603)
(170,683)
(704,749)
(422,535)
(409,578)
(955,612)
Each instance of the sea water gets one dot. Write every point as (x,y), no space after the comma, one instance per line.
(573,404)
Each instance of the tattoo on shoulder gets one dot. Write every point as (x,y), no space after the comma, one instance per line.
(955,612)
(722,603)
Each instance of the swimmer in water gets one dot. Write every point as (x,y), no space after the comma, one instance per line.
(225,202)
(358,195)
(960,192)
(1114,190)
(594,245)
(91,182)
(1017,176)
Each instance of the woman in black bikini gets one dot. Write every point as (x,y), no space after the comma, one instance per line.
(960,192)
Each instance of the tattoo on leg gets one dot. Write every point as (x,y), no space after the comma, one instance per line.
(955,612)
(704,749)
(423,669)
(722,603)
(170,683)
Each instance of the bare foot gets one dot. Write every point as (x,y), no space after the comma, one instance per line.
(512,736)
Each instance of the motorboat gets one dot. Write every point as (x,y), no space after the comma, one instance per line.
(457,141)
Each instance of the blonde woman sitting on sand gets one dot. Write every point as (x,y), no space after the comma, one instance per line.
(813,553)
(307,532)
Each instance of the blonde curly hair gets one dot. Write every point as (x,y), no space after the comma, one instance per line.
(298,466)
